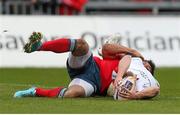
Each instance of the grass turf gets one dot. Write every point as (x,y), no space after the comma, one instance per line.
(13,79)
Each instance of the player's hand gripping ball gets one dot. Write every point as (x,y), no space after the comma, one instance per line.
(126,84)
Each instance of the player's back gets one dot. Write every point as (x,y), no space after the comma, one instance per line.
(144,77)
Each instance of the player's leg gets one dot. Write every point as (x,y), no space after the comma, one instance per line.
(116,51)
(78,57)
(54,92)
(40,92)
(57,46)
(79,88)
(82,70)
(74,91)
(112,49)
(79,47)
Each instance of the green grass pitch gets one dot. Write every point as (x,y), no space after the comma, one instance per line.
(13,79)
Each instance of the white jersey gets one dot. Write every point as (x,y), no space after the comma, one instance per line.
(144,77)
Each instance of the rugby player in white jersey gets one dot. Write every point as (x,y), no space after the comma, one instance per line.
(146,86)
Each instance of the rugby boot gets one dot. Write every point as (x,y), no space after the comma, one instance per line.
(26,93)
(34,42)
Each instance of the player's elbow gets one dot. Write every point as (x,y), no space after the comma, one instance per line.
(155,91)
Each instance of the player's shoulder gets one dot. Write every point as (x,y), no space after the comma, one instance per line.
(136,59)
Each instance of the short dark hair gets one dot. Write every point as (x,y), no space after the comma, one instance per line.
(153,66)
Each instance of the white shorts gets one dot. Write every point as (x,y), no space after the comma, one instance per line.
(88,88)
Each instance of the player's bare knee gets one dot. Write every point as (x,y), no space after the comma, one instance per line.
(72,94)
(81,48)
(69,94)
(74,91)
(105,48)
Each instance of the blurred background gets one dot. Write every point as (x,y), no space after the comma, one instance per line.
(150,26)
(90,7)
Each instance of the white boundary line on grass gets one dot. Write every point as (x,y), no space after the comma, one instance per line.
(28,85)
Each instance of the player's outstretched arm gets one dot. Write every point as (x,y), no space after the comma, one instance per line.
(123,66)
(146,93)
(116,51)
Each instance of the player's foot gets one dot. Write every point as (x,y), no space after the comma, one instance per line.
(25,93)
(34,42)
(114,39)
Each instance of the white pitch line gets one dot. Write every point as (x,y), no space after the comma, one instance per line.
(14,84)
(28,85)
(173,97)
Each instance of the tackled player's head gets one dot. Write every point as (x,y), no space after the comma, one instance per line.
(150,65)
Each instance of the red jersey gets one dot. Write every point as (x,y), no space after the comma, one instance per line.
(106,68)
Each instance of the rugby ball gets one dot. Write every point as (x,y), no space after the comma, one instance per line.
(110,90)
(128,83)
